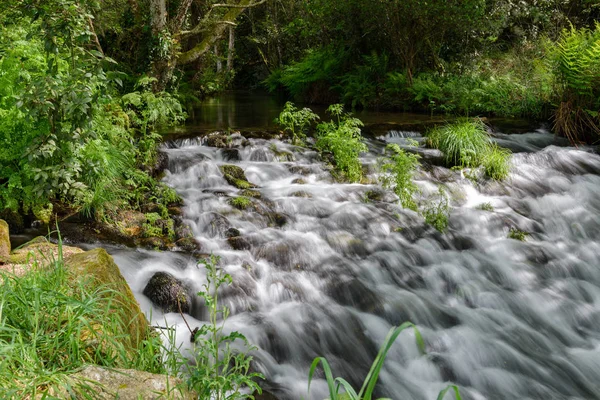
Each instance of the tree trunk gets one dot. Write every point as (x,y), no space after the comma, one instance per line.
(218,57)
(231,49)
(162,68)
(201,48)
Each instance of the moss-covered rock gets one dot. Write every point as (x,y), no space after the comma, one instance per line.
(97,267)
(299,181)
(128,384)
(251,193)
(239,243)
(4,239)
(168,292)
(235,176)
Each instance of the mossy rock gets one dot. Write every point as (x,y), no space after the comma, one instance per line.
(302,193)
(235,176)
(299,181)
(4,239)
(97,267)
(251,193)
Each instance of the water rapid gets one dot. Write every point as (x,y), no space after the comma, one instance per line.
(324,269)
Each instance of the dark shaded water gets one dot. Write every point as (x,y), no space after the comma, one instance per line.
(501,318)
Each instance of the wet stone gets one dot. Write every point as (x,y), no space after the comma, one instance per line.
(232,232)
(231,154)
(299,181)
(238,243)
(168,292)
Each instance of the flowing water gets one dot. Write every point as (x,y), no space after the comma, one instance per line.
(325,272)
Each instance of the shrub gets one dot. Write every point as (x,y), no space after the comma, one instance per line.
(341,137)
(397,174)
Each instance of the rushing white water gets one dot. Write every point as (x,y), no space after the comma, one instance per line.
(501,318)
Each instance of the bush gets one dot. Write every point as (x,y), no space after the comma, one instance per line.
(341,137)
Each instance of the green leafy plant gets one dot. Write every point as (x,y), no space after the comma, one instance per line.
(342,139)
(576,60)
(397,174)
(517,234)
(220,372)
(486,207)
(437,213)
(296,122)
(366,391)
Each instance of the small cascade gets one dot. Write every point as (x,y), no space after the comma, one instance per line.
(323,269)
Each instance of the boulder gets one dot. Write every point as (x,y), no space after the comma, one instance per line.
(168,292)
(4,239)
(129,384)
(231,155)
(97,267)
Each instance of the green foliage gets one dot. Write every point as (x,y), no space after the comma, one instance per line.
(65,135)
(463,142)
(364,85)
(517,234)
(437,213)
(576,61)
(366,391)
(240,202)
(496,162)
(486,207)
(466,144)
(397,174)
(47,332)
(311,78)
(342,139)
(221,372)
(296,122)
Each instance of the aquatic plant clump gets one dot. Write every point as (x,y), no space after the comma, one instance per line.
(467,144)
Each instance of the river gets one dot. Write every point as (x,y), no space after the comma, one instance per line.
(501,318)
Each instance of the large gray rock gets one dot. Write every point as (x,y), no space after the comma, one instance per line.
(129,384)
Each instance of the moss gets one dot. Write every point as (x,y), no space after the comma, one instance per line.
(235,176)
(4,239)
(251,193)
(234,171)
(241,202)
(97,267)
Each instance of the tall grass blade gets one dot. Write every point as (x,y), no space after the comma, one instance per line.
(444,391)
